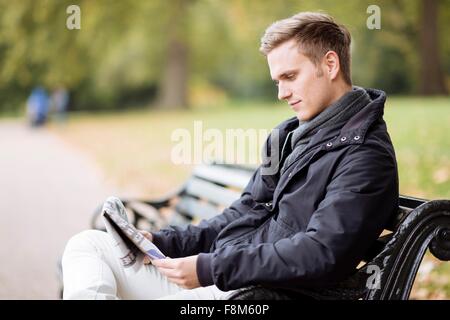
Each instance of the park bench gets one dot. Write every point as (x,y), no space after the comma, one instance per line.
(387,271)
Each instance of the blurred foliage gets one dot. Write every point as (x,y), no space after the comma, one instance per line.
(118,57)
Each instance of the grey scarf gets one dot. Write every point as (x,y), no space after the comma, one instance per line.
(337,113)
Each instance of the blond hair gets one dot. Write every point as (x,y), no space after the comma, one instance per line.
(316,34)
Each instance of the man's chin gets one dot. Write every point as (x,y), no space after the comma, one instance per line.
(302,117)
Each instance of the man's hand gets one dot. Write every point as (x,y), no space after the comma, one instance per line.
(181,271)
(149,236)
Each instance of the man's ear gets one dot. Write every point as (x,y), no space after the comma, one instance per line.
(332,65)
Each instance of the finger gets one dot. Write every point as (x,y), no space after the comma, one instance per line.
(178,282)
(170,273)
(164,263)
(147,260)
(146,234)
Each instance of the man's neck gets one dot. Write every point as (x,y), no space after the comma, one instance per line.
(341,89)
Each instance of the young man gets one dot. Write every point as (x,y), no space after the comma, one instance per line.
(307,223)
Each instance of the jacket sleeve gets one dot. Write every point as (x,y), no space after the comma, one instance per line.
(177,241)
(359,199)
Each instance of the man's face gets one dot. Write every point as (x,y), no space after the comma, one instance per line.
(305,87)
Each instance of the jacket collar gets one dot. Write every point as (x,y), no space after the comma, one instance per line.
(326,139)
(353,132)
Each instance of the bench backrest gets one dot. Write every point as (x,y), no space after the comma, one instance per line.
(210,189)
(215,186)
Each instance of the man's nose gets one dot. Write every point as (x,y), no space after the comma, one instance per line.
(283,92)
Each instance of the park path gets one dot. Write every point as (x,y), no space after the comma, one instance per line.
(48,190)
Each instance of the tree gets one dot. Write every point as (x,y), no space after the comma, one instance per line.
(431,76)
(174,86)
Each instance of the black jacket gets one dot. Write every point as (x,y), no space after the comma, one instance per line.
(310,225)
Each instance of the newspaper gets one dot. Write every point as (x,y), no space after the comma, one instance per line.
(130,243)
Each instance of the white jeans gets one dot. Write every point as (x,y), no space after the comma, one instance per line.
(92,270)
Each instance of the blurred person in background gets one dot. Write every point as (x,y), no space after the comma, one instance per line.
(60,102)
(37,107)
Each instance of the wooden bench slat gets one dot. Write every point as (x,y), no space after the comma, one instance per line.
(223,175)
(211,192)
(193,208)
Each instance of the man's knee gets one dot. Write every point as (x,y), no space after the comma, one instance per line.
(86,240)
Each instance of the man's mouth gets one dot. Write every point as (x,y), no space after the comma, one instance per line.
(294,103)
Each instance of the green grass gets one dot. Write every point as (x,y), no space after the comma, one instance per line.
(419,129)
(134,150)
